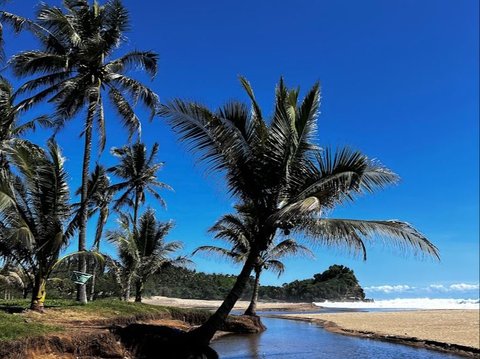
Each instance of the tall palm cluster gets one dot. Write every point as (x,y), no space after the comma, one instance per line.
(285,185)
(74,70)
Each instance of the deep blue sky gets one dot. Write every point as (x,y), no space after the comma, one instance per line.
(400,81)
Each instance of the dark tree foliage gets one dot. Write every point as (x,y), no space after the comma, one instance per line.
(186,283)
(336,283)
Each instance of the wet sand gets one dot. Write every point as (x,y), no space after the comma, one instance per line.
(450,330)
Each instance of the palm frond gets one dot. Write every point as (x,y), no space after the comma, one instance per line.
(351,234)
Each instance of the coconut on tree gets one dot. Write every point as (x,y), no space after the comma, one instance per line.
(74,69)
(235,229)
(289,183)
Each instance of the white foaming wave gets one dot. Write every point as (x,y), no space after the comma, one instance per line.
(406,303)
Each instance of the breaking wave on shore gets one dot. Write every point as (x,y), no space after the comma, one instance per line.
(406,303)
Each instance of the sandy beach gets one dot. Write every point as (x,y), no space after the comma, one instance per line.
(451,327)
(241,304)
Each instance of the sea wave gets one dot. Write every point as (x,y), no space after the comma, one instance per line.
(406,303)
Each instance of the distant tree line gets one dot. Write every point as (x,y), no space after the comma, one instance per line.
(336,283)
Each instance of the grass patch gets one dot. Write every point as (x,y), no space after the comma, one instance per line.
(61,312)
(15,327)
(111,308)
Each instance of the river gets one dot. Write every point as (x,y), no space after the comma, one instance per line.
(285,339)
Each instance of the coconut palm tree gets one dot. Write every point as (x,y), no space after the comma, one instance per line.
(34,210)
(154,252)
(142,252)
(76,70)
(10,126)
(99,197)
(11,278)
(125,266)
(137,170)
(235,230)
(289,183)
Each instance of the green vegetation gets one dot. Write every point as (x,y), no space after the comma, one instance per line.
(16,327)
(337,283)
(35,210)
(238,230)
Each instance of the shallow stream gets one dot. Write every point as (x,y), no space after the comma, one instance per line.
(285,339)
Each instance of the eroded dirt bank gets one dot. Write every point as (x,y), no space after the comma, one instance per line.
(138,337)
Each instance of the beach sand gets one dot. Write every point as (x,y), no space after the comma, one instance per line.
(240,305)
(458,327)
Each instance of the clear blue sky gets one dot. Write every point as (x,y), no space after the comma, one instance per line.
(400,81)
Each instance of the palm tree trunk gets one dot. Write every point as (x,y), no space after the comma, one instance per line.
(126,289)
(203,334)
(252,308)
(39,293)
(138,290)
(96,245)
(135,210)
(82,237)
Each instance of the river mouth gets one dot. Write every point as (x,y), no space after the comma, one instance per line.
(294,339)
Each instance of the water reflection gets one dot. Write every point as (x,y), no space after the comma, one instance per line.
(291,339)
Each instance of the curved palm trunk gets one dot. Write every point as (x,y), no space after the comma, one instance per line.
(252,308)
(82,237)
(39,293)
(203,334)
(138,290)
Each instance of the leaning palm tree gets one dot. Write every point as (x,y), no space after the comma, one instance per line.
(154,252)
(76,70)
(289,183)
(137,169)
(34,209)
(235,230)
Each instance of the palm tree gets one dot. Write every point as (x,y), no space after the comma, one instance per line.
(10,126)
(142,252)
(76,71)
(235,230)
(153,252)
(99,197)
(125,267)
(11,277)
(289,183)
(34,209)
(138,171)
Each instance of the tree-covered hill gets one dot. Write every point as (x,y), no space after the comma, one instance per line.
(336,283)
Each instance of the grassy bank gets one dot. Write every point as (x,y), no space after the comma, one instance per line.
(16,322)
